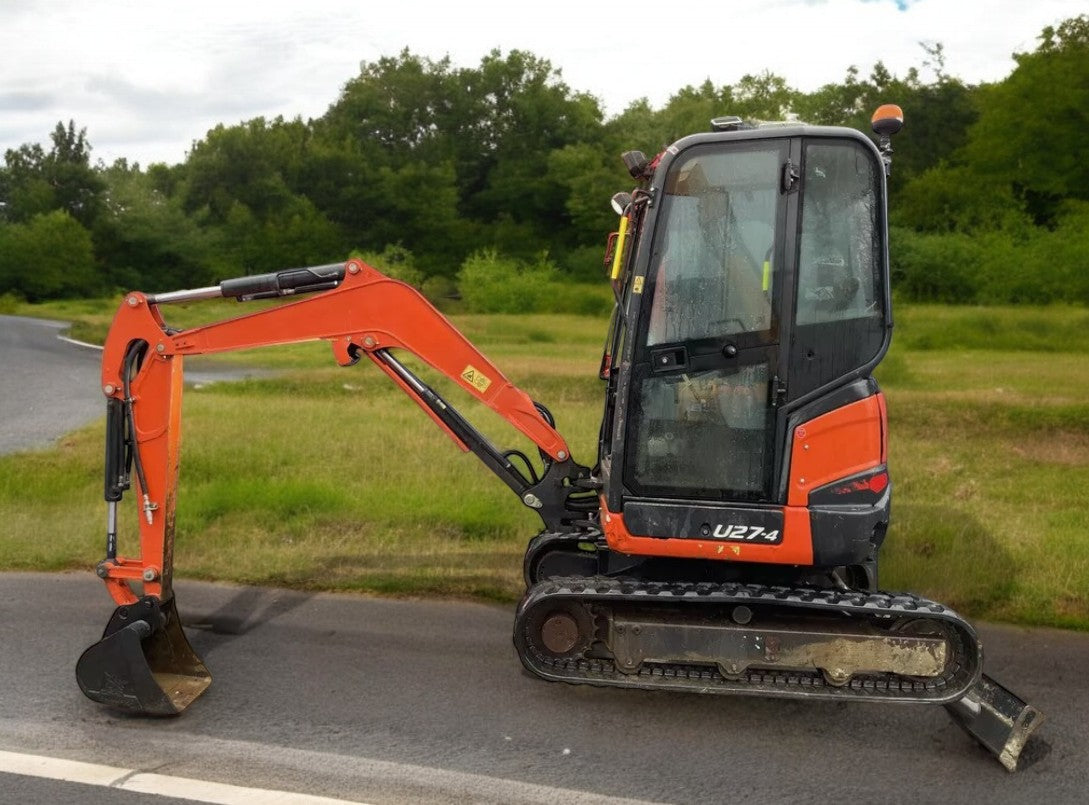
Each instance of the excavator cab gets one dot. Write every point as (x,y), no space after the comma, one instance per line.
(754,300)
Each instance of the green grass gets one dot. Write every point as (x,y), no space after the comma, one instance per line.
(329,478)
(1056,328)
(989,451)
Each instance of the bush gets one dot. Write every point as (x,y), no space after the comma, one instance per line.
(934,268)
(439,289)
(582,298)
(586,264)
(1062,255)
(48,257)
(996,267)
(491,283)
(9,303)
(394,261)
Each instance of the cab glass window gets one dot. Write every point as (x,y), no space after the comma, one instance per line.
(839,266)
(713,269)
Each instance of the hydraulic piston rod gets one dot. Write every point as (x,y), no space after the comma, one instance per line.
(289,282)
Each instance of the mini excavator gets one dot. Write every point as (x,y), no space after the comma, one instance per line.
(725,540)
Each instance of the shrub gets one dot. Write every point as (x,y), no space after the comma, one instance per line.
(995,267)
(439,289)
(48,257)
(1062,255)
(583,299)
(9,303)
(394,261)
(492,283)
(586,264)
(934,268)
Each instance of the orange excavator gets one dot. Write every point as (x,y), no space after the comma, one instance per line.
(726,538)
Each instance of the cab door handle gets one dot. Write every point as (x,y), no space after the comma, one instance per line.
(668,359)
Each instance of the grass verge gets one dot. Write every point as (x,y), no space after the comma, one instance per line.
(329,478)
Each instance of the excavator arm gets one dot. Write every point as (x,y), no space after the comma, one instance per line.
(361,313)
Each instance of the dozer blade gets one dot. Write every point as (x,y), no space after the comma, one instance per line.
(997,718)
(143,664)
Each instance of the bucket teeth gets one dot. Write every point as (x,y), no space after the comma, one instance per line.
(143,663)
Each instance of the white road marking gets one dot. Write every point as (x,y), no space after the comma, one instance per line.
(84,344)
(75,771)
(375,780)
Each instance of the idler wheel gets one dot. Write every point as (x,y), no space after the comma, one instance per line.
(560,633)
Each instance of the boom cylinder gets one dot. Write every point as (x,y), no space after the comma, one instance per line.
(261,286)
(283,283)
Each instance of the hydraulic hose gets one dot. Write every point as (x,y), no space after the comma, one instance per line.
(132,361)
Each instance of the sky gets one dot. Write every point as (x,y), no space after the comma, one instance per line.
(148,78)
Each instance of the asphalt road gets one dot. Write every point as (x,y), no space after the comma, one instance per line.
(424,701)
(47,386)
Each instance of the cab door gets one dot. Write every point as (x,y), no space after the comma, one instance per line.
(707,375)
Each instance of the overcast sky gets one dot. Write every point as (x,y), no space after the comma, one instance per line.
(148,77)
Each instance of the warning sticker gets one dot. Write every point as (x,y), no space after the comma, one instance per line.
(475,378)
(637,285)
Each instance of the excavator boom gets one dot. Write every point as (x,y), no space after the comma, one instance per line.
(144,662)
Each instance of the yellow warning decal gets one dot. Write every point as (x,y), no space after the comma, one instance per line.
(475,378)
(637,286)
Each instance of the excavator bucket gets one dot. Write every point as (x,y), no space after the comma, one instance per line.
(143,664)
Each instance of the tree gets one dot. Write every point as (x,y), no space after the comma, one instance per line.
(1031,129)
(144,239)
(396,108)
(590,176)
(524,112)
(690,110)
(955,198)
(834,104)
(764,96)
(34,181)
(452,158)
(298,235)
(937,116)
(257,163)
(637,128)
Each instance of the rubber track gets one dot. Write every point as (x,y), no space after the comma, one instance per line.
(608,593)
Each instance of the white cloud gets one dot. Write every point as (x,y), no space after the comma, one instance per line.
(149,78)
